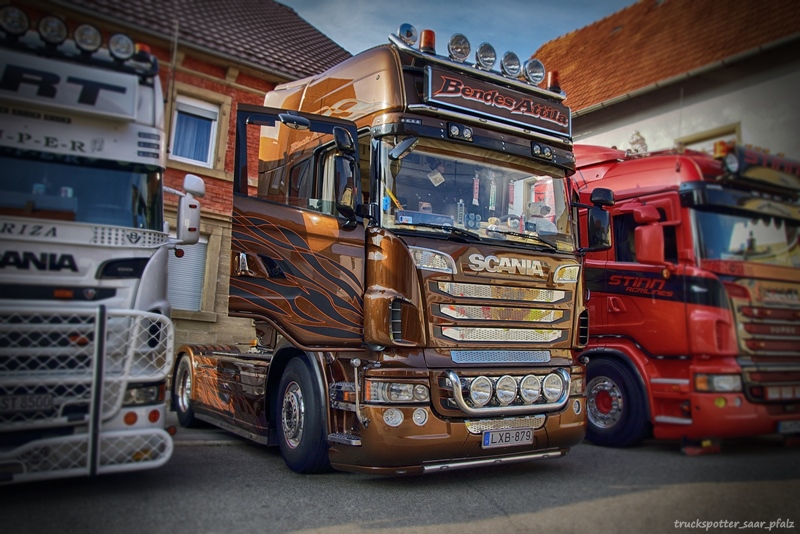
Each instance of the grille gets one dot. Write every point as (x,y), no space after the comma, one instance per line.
(479,291)
(583,328)
(477,427)
(491,313)
(529,335)
(126,237)
(396,314)
(500,356)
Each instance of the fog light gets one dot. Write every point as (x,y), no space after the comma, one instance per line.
(553,386)
(534,71)
(142,455)
(530,388)
(87,37)
(52,30)
(510,65)
(506,390)
(720,402)
(480,391)
(576,407)
(121,46)
(458,47)
(393,417)
(420,416)
(14,21)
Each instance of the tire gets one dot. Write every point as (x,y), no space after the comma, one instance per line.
(301,436)
(182,393)
(616,407)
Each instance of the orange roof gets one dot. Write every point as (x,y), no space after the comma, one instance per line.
(654,40)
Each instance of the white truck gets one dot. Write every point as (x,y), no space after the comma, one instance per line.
(86,342)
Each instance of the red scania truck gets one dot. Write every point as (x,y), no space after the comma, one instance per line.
(695,310)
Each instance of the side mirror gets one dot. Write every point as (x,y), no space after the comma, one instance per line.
(367,211)
(188,231)
(602,197)
(404,148)
(194,185)
(295,122)
(343,140)
(649,241)
(599,222)
(646,214)
(345,186)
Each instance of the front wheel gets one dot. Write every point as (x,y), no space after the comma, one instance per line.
(299,421)
(182,393)
(616,406)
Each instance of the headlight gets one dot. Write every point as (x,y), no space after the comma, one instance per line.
(731,163)
(87,37)
(530,388)
(506,390)
(534,71)
(480,391)
(14,21)
(719,383)
(485,56)
(395,392)
(135,396)
(552,387)
(510,65)
(121,46)
(52,30)
(566,273)
(431,260)
(458,48)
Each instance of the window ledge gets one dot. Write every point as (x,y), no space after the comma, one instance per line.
(208,317)
(197,169)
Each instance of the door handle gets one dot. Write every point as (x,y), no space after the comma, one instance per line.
(615,305)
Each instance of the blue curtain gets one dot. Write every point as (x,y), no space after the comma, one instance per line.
(192,137)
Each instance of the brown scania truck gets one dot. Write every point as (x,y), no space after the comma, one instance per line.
(409,258)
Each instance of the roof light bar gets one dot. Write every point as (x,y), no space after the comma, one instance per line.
(485,56)
(534,71)
(121,46)
(510,65)
(87,38)
(52,30)
(14,21)
(458,47)
(408,34)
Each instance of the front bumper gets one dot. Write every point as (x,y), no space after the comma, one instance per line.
(444,444)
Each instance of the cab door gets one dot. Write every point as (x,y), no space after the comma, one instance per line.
(297,248)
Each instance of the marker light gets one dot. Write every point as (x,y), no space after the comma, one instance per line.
(14,21)
(427,42)
(485,56)
(121,46)
(408,34)
(52,30)
(87,37)
(458,47)
(510,65)
(534,71)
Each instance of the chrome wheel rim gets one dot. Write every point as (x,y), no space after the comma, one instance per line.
(604,403)
(184,388)
(292,415)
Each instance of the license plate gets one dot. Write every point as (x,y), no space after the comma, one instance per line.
(505,438)
(25,403)
(789,427)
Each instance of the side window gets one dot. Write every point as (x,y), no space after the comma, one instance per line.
(624,244)
(194,131)
(301,185)
(670,239)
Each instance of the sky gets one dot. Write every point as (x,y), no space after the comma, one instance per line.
(521,26)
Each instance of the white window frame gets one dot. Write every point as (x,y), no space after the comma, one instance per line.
(203,108)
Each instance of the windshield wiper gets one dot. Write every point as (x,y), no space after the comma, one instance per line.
(451,229)
(547,242)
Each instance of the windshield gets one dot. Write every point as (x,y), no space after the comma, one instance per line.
(758,238)
(47,186)
(490,195)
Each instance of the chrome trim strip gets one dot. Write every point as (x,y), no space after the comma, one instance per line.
(504,410)
(672,420)
(430,468)
(516,130)
(467,68)
(678,381)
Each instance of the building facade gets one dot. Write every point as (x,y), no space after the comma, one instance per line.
(213,56)
(661,74)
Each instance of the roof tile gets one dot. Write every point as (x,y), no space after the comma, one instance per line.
(261,32)
(654,40)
